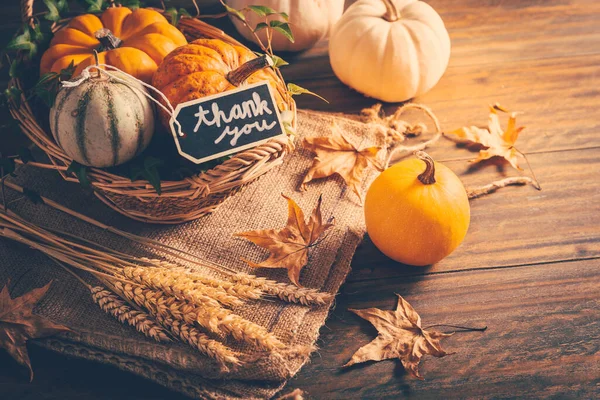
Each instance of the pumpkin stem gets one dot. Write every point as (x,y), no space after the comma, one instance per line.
(239,75)
(391,11)
(428,176)
(107,40)
(99,75)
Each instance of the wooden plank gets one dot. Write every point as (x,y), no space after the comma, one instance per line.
(497,32)
(517,225)
(555,96)
(543,338)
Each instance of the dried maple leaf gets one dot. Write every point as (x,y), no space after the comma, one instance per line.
(400,336)
(493,141)
(289,246)
(18,324)
(336,155)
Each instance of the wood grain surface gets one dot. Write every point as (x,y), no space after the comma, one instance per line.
(529,268)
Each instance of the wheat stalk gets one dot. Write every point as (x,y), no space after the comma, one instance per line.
(142,322)
(175,283)
(284,291)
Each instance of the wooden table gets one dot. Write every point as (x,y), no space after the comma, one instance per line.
(529,268)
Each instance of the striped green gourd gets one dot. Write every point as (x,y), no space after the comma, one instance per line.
(102,122)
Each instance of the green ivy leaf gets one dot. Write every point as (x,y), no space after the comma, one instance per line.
(294,89)
(262,11)
(283,28)
(175,15)
(278,61)
(81,172)
(12,93)
(149,172)
(94,5)
(67,73)
(25,155)
(23,42)
(284,16)
(260,26)
(132,4)
(15,69)
(236,13)
(49,84)
(55,7)
(33,196)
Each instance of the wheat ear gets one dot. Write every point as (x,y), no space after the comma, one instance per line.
(113,305)
(175,283)
(200,341)
(178,317)
(215,319)
(237,289)
(284,291)
(220,319)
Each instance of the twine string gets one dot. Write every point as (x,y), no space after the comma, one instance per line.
(86,74)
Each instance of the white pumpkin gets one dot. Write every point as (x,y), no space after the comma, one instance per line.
(310,21)
(102,122)
(392,50)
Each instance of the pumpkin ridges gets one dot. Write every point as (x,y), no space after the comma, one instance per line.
(133,61)
(114,18)
(138,20)
(158,38)
(86,23)
(80,118)
(183,65)
(56,52)
(153,44)
(103,122)
(75,37)
(165,29)
(61,99)
(131,96)
(226,52)
(113,129)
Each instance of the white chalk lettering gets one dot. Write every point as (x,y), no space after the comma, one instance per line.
(248,109)
(245,130)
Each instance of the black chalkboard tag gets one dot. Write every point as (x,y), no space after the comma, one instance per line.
(226,123)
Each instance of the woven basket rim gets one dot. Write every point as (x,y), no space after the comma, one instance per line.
(216,180)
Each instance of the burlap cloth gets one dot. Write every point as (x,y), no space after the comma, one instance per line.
(260,205)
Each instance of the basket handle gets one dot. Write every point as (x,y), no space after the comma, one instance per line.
(27,11)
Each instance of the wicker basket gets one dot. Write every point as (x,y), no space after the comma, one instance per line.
(180,201)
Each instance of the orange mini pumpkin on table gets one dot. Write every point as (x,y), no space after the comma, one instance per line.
(134,41)
(417,211)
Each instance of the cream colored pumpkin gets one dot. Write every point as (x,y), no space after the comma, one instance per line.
(310,21)
(392,50)
(101,122)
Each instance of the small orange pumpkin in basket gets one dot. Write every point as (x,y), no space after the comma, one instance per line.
(134,41)
(209,66)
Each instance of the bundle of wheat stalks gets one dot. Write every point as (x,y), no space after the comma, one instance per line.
(164,300)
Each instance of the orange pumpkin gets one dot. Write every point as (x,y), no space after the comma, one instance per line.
(209,66)
(417,211)
(133,41)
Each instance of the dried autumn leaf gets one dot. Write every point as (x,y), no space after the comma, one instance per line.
(336,155)
(400,336)
(18,324)
(493,141)
(289,246)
